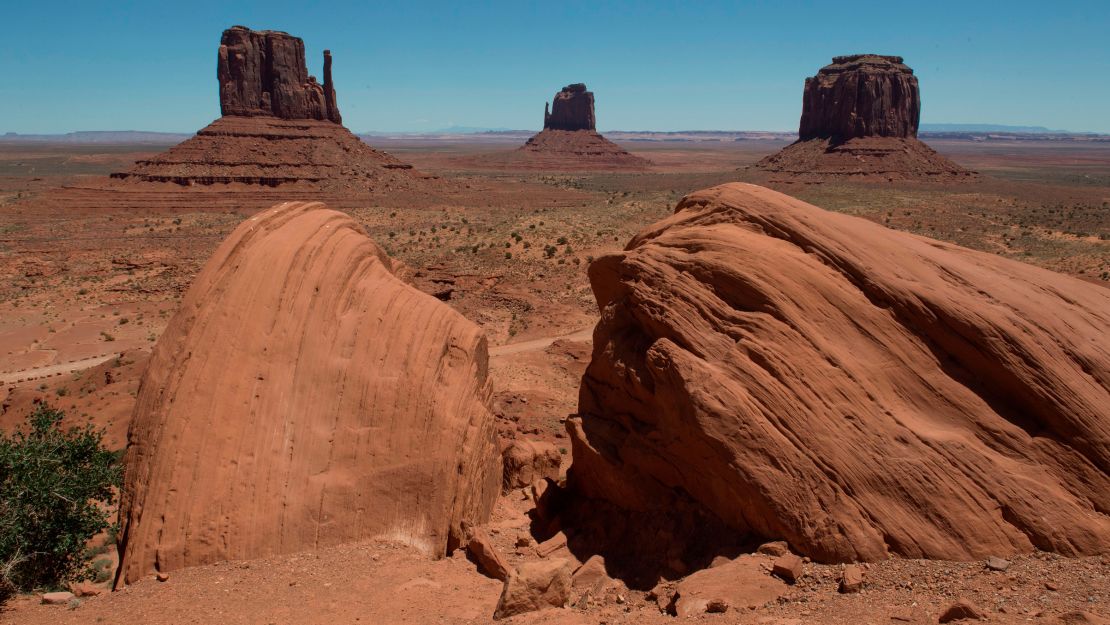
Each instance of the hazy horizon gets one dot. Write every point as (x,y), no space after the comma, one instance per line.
(653,66)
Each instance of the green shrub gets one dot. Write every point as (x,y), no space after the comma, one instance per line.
(55,490)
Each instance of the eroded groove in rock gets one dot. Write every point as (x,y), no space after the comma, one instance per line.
(859,392)
(304,396)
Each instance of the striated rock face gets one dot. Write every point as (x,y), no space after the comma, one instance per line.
(861,95)
(813,377)
(572,109)
(302,397)
(264,73)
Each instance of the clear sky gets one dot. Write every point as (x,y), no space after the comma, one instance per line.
(417,66)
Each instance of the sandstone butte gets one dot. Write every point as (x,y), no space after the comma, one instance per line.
(860,118)
(813,377)
(304,396)
(278,126)
(570,136)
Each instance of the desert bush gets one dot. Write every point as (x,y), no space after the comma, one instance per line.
(55,489)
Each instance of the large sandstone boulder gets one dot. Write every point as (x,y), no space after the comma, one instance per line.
(304,396)
(856,391)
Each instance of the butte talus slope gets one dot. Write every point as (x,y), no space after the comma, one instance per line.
(304,396)
(279,126)
(570,139)
(859,392)
(860,117)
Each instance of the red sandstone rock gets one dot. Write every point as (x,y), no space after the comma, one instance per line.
(962,610)
(526,461)
(861,95)
(535,586)
(854,390)
(264,73)
(739,584)
(572,109)
(788,567)
(304,396)
(851,579)
(570,140)
(279,127)
(489,559)
(859,118)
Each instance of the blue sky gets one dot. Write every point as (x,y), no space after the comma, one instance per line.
(415,66)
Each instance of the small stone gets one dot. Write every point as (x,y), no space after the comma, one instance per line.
(962,609)
(551,545)
(788,567)
(489,559)
(778,548)
(535,586)
(717,606)
(523,540)
(162,577)
(997,564)
(57,598)
(851,579)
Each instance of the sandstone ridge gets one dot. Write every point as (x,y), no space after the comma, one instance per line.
(858,392)
(328,400)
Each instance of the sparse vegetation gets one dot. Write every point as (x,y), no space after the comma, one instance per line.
(55,486)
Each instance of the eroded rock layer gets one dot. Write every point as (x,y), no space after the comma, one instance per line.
(270,151)
(566,148)
(304,396)
(856,391)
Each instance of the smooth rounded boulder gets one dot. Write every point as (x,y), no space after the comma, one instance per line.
(858,392)
(302,397)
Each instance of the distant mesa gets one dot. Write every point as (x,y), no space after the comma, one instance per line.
(356,406)
(570,139)
(264,73)
(573,109)
(860,117)
(279,126)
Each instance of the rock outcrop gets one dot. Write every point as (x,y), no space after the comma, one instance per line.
(304,396)
(279,127)
(862,95)
(859,119)
(858,392)
(264,73)
(572,109)
(569,139)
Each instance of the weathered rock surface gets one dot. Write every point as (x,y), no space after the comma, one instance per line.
(535,586)
(858,392)
(304,396)
(526,461)
(740,584)
(270,152)
(861,95)
(572,109)
(859,118)
(264,73)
